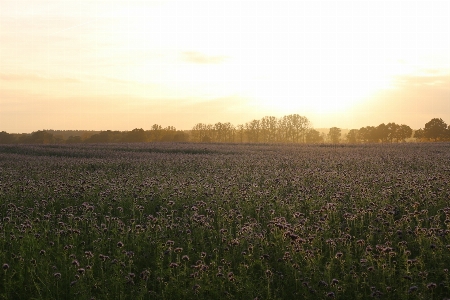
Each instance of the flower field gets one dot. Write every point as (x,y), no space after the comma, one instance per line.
(223,221)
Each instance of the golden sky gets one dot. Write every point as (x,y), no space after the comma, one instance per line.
(119,65)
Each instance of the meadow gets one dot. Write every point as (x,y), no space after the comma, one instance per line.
(225,221)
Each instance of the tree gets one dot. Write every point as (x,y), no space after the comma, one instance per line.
(403,132)
(334,134)
(418,134)
(283,130)
(41,137)
(253,129)
(392,131)
(155,134)
(240,133)
(168,134)
(135,136)
(229,132)
(436,130)
(180,136)
(368,134)
(268,129)
(6,138)
(298,126)
(313,136)
(201,133)
(353,136)
(382,133)
(73,139)
(107,136)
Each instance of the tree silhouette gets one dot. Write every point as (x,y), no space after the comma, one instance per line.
(200,132)
(313,136)
(240,132)
(418,134)
(353,136)
(334,134)
(41,137)
(403,132)
(155,133)
(268,129)
(436,130)
(74,139)
(6,138)
(392,131)
(253,130)
(382,133)
(135,136)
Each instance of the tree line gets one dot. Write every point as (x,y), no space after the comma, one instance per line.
(156,134)
(292,128)
(435,130)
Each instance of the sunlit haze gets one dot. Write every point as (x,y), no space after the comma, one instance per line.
(121,65)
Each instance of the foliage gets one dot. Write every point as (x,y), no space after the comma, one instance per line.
(313,136)
(436,129)
(334,135)
(270,130)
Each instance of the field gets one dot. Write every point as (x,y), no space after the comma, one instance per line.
(216,221)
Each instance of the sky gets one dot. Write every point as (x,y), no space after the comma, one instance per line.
(120,65)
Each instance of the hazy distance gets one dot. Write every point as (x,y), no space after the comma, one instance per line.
(119,65)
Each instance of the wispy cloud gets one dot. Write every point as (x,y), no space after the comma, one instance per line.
(33,77)
(201,58)
(432,78)
(414,100)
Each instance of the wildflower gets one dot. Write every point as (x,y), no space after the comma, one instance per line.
(323,283)
(185,258)
(145,275)
(75,263)
(103,257)
(431,286)
(119,244)
(5,267)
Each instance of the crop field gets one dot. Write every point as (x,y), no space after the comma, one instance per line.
(223,221)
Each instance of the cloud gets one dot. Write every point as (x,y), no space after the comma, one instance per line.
(413,100)
(32,77)
(432,78)
(27,111)
(201,58)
